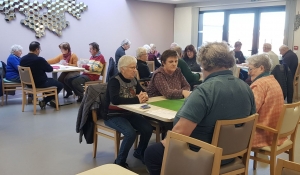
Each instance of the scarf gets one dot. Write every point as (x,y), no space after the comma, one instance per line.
(67,56)
(261,75)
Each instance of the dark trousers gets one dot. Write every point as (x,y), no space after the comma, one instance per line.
(64,77)
(153,158)
(77,84)
(128,125)
(51,82)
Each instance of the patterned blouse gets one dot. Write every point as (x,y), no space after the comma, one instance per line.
(269,103)
(170,86)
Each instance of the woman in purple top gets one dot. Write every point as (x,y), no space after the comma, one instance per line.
(168,80)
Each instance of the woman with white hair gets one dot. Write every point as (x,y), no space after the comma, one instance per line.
(268,98)
(154,51)
(151,56)
(13,61)
(142,67)
(125,89)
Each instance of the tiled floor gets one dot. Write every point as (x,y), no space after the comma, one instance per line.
(47,144)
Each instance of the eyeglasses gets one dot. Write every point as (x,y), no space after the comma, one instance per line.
(250,69)
(133,68)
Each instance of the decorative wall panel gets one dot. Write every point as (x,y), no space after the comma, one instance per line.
(41,16)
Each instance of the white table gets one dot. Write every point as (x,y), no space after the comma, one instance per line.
(108,169)
(63,68)
(155,112)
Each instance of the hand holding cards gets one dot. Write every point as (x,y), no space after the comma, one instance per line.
(143,97)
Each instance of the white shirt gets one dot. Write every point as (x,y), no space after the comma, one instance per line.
(274,59)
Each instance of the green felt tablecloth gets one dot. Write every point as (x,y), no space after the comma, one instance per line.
(173,105)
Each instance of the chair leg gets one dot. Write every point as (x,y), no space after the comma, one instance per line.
(136,141)
(291,154)
(117,143)
(2,99)
(272,164)
(157,133)
(23,100)
(6,94)
(254,161)
(95,142)
(34,103)
(56,100)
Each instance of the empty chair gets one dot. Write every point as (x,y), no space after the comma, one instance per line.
(285,167)
(179,159)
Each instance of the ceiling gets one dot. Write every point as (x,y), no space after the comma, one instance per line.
(174,1)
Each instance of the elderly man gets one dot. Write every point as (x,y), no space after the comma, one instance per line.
(267,48)
(289,58)
(39,66)
(173,45)
(125,45)
(93,70)
(200,111)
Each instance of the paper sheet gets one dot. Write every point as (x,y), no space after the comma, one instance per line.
(163,113)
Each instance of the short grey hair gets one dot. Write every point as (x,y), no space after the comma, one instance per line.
(173,45)
(215,55)
(147,47)
(140,51)
(125,61)
(15,48)
(267,46)
(260,60)
(125,42)
(284,47)
(152,46)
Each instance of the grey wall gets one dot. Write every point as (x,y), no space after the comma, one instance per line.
(106,22)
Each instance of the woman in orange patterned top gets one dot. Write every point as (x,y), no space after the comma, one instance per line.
(268,98)
(66,58)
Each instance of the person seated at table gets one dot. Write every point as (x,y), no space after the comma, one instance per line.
(189,57)
(66,58)
(39,66)
(268,98)
(192,78)
(93,70)
(168,80)
(152,56)
(239,56)
(125,89)
(173,45)
(215,99)
(154,51)
(142,67)
(13,61)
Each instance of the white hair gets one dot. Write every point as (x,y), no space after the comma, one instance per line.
(152,46)
(125,42)
(125,61)
(267,46)
(147,47)
(284,47)
(140,51)
(15,48)
(260,60)
(173,45)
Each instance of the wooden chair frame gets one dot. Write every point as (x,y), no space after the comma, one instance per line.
(244,153)
(295,83)
(116,135)
(208,147)
(289,149)
(286,164)
(6,87)
(151,65)
(103,74)
(33,90)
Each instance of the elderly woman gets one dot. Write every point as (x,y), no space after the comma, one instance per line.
(66,58)
(268,98)
(13,61)
(152,56)
(168,79)
(142,67)
(215,99)
(154,51)
(190,58)
(125,89)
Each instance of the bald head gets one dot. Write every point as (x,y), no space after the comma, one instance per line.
(267,47)
(283,49)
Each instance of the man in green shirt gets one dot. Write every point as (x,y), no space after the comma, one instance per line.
(221,96)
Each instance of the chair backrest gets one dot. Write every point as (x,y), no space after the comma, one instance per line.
(180,159)
(285,167)
(242,130)
(289,119)
(26,76)
(151,66)
(103,73)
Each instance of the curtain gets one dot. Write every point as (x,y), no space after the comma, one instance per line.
(290,12)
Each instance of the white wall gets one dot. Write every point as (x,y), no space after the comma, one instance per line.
(183,26)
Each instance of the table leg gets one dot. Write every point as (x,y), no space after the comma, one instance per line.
(54,75)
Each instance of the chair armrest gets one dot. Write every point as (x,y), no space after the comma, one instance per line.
(266,128)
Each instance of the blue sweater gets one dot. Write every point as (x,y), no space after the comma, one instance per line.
(13,62)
